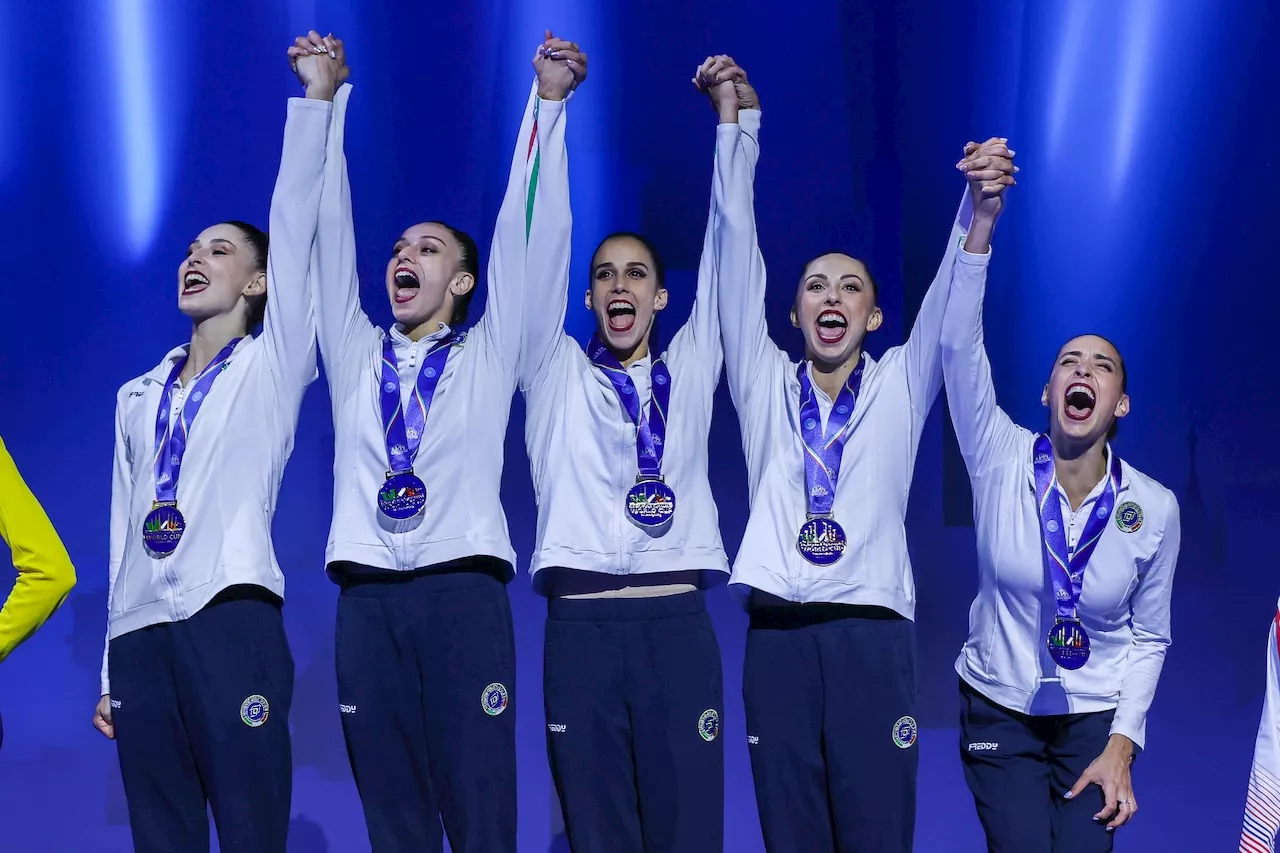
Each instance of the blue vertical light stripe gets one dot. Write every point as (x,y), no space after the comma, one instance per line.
(143,163)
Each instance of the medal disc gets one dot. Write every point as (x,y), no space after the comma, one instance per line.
(821,541)
(651,503)
(162,529)
(1068,644)
(402,496)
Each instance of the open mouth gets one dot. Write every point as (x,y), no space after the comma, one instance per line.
(832,326)
(194,282)
(621,314)
(1080,401)
(407,285)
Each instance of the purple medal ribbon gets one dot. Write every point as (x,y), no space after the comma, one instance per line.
(822,540)
(402,426)
(651,503)
(1068,643)
(164,525)
(651,431)
(171,438)
(823,452)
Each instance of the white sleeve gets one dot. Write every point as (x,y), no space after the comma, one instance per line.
(288,329)
(922,352)
(121,502)
(986,435)
(549,242)
(1149,618)
(1262,804)
(699,340)
(334,284)
(503,322)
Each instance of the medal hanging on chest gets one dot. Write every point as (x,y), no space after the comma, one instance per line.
(650,503)
(822,540)
(164,525)
(403,495)
(1068,641)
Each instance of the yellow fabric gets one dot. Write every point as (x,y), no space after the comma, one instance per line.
(45,573)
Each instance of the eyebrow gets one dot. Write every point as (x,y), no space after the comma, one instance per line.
(1096,356)
(823,276)
(631,265)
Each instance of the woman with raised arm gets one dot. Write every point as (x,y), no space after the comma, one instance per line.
(627,528)
(829,679)
(1076,556)
(197,678)
(419,544)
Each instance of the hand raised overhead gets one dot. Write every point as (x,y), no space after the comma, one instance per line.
(320,63)
(561,67)
(725,83)
(989,169)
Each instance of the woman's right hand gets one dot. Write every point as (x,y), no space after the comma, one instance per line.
(561,67)
(102,718)
(320,63)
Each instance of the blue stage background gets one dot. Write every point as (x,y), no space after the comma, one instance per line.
(1146,132)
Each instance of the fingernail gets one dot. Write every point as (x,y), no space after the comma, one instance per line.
(333,54)
(1110,828)
(1068,795)
(1002,139)
(554,54)
(1016,170)
(1012,153)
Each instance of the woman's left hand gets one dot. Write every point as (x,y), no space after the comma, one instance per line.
(1110,772)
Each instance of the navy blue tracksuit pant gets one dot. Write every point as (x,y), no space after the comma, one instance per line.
(830,694)
(201,715)
(1019,766)
(634,701)
(426,692)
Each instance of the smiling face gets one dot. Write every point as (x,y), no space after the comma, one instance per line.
(1086,390)
(626,293)
(835,308)
(220,274)
(425,274)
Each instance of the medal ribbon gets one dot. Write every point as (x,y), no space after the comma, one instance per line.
(402,429)
(1066,568)
(171,438)
(823,451)
(651,430)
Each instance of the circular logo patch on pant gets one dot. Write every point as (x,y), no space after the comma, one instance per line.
(494,699)
(904,732)
(255,710)
(709,725)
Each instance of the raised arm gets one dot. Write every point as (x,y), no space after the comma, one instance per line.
(288,329)
(560,68)
(735,102)
(984,432)
(922,353)
(45,573)
(741,282)
(540,140)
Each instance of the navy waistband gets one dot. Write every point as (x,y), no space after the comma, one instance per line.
(626,609)
(374,583)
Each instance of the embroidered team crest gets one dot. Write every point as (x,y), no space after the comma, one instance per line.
(255,710)
(494,699)
(904,732)
(709,725)
(1129,517)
